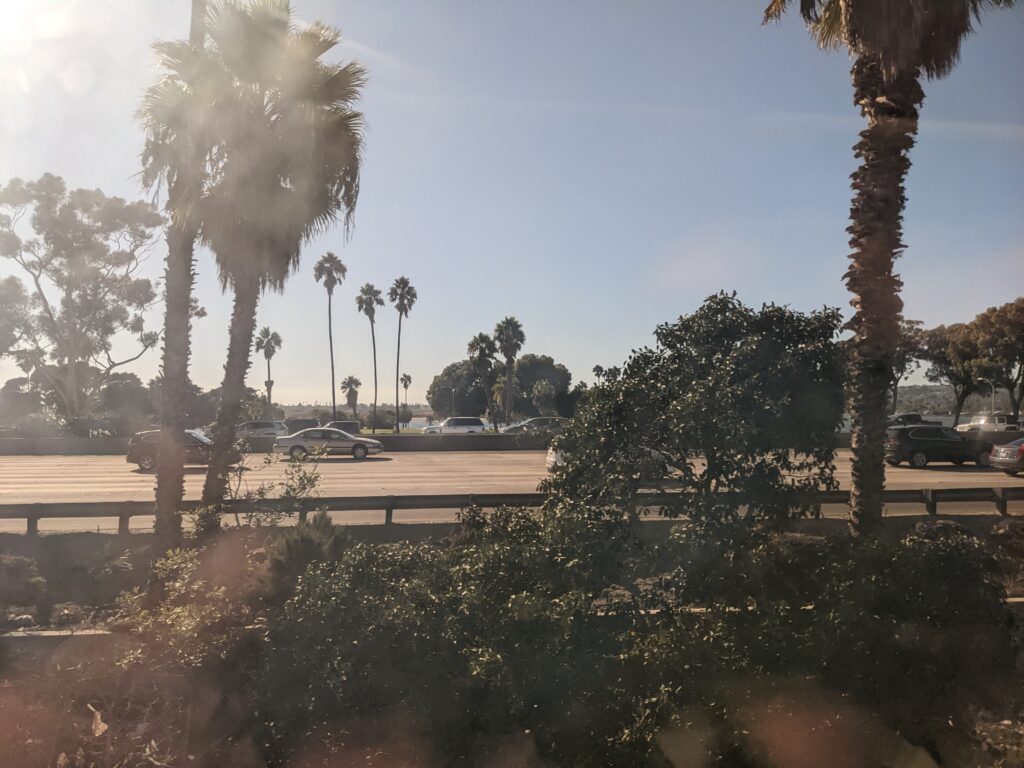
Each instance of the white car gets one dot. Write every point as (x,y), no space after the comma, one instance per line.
(262,429)
(456,425)
(326,441)
(998,422)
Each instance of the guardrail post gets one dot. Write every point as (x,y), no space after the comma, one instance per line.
(124,525)
(32,528)
(1000,501)
(931,504)
(389,511)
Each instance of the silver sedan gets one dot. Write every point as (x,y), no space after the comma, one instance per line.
(326,441)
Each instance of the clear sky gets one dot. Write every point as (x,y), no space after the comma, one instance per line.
(591,168)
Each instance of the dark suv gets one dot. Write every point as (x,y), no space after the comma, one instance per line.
(922,444)
(144,447)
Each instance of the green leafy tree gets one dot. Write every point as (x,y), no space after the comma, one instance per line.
(269,343)
(482,351)
(509,336)
(350,386)
(893,44)
(367,301)
(331,272)
(1000,335)
(909,347)
(171,157)
(14,314)
(282,165)
(952,354)
(402,295)
(461,377)
(83,264)
(532,369)
(737,406)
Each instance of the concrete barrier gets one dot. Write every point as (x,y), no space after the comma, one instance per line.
(63,446)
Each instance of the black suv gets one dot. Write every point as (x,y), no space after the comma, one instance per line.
(922,444)
(144,447)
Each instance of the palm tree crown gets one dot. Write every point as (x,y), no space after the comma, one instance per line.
(330,271)
(481,350)
(509,336)
(402,295)
(276,125)
(268,342)
(406,381)
(367,301)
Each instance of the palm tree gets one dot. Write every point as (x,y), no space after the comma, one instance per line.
(893,45)
(481,350)
(350,386)
(268,342)
(367,302)
(170,157)
(331,272)
(402,295)
(406,383)
(509,336)
(282,165)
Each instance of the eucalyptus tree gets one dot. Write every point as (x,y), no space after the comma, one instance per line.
(173,155)
(894,45)
(331,272)
(350,386)
(281,161)
(509,336)
(269,343)
(482,351)
(367,301)
(402,296)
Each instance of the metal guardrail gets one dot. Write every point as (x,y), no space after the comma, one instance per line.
(124,511)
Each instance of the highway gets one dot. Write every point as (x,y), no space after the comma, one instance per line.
(26,479)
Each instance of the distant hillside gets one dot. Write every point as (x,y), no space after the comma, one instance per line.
(938,399)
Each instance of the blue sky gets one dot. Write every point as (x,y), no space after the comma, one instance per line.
(592,172)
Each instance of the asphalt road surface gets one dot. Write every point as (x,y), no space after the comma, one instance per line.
(25,479)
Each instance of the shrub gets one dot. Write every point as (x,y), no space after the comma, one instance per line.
(317,540)
(20,582)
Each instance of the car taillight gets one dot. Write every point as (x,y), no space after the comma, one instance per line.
(1020,451)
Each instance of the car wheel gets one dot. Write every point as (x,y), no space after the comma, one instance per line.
(892,463)
(1011,472)
(359,451)
(147,463)
(982,460)
(958,462)
(919,460)
(297,452)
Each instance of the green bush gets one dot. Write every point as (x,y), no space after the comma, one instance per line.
(20,582)
(290,555)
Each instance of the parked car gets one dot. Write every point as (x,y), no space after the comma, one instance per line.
(456,425)
(920,445)
(910,419)
(989,422)
(538,424)
(262,429)
(144,448)
(352,427)
(297,425)
(329,441)
(1009,457)
(11,432)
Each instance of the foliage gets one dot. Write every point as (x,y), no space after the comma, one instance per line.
(738,407)
(909,348)
(20,582)
(509,336)
(461,376)
(531,370)
(350,386)
(1000,335)
(83,264)
(952,353)
(316,540)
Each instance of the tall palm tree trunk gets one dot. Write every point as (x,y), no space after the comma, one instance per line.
(373,415)
(179,278)
(240,333)
(398,367)
(875,229)
(270,393)
(330,342)
(508,391)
